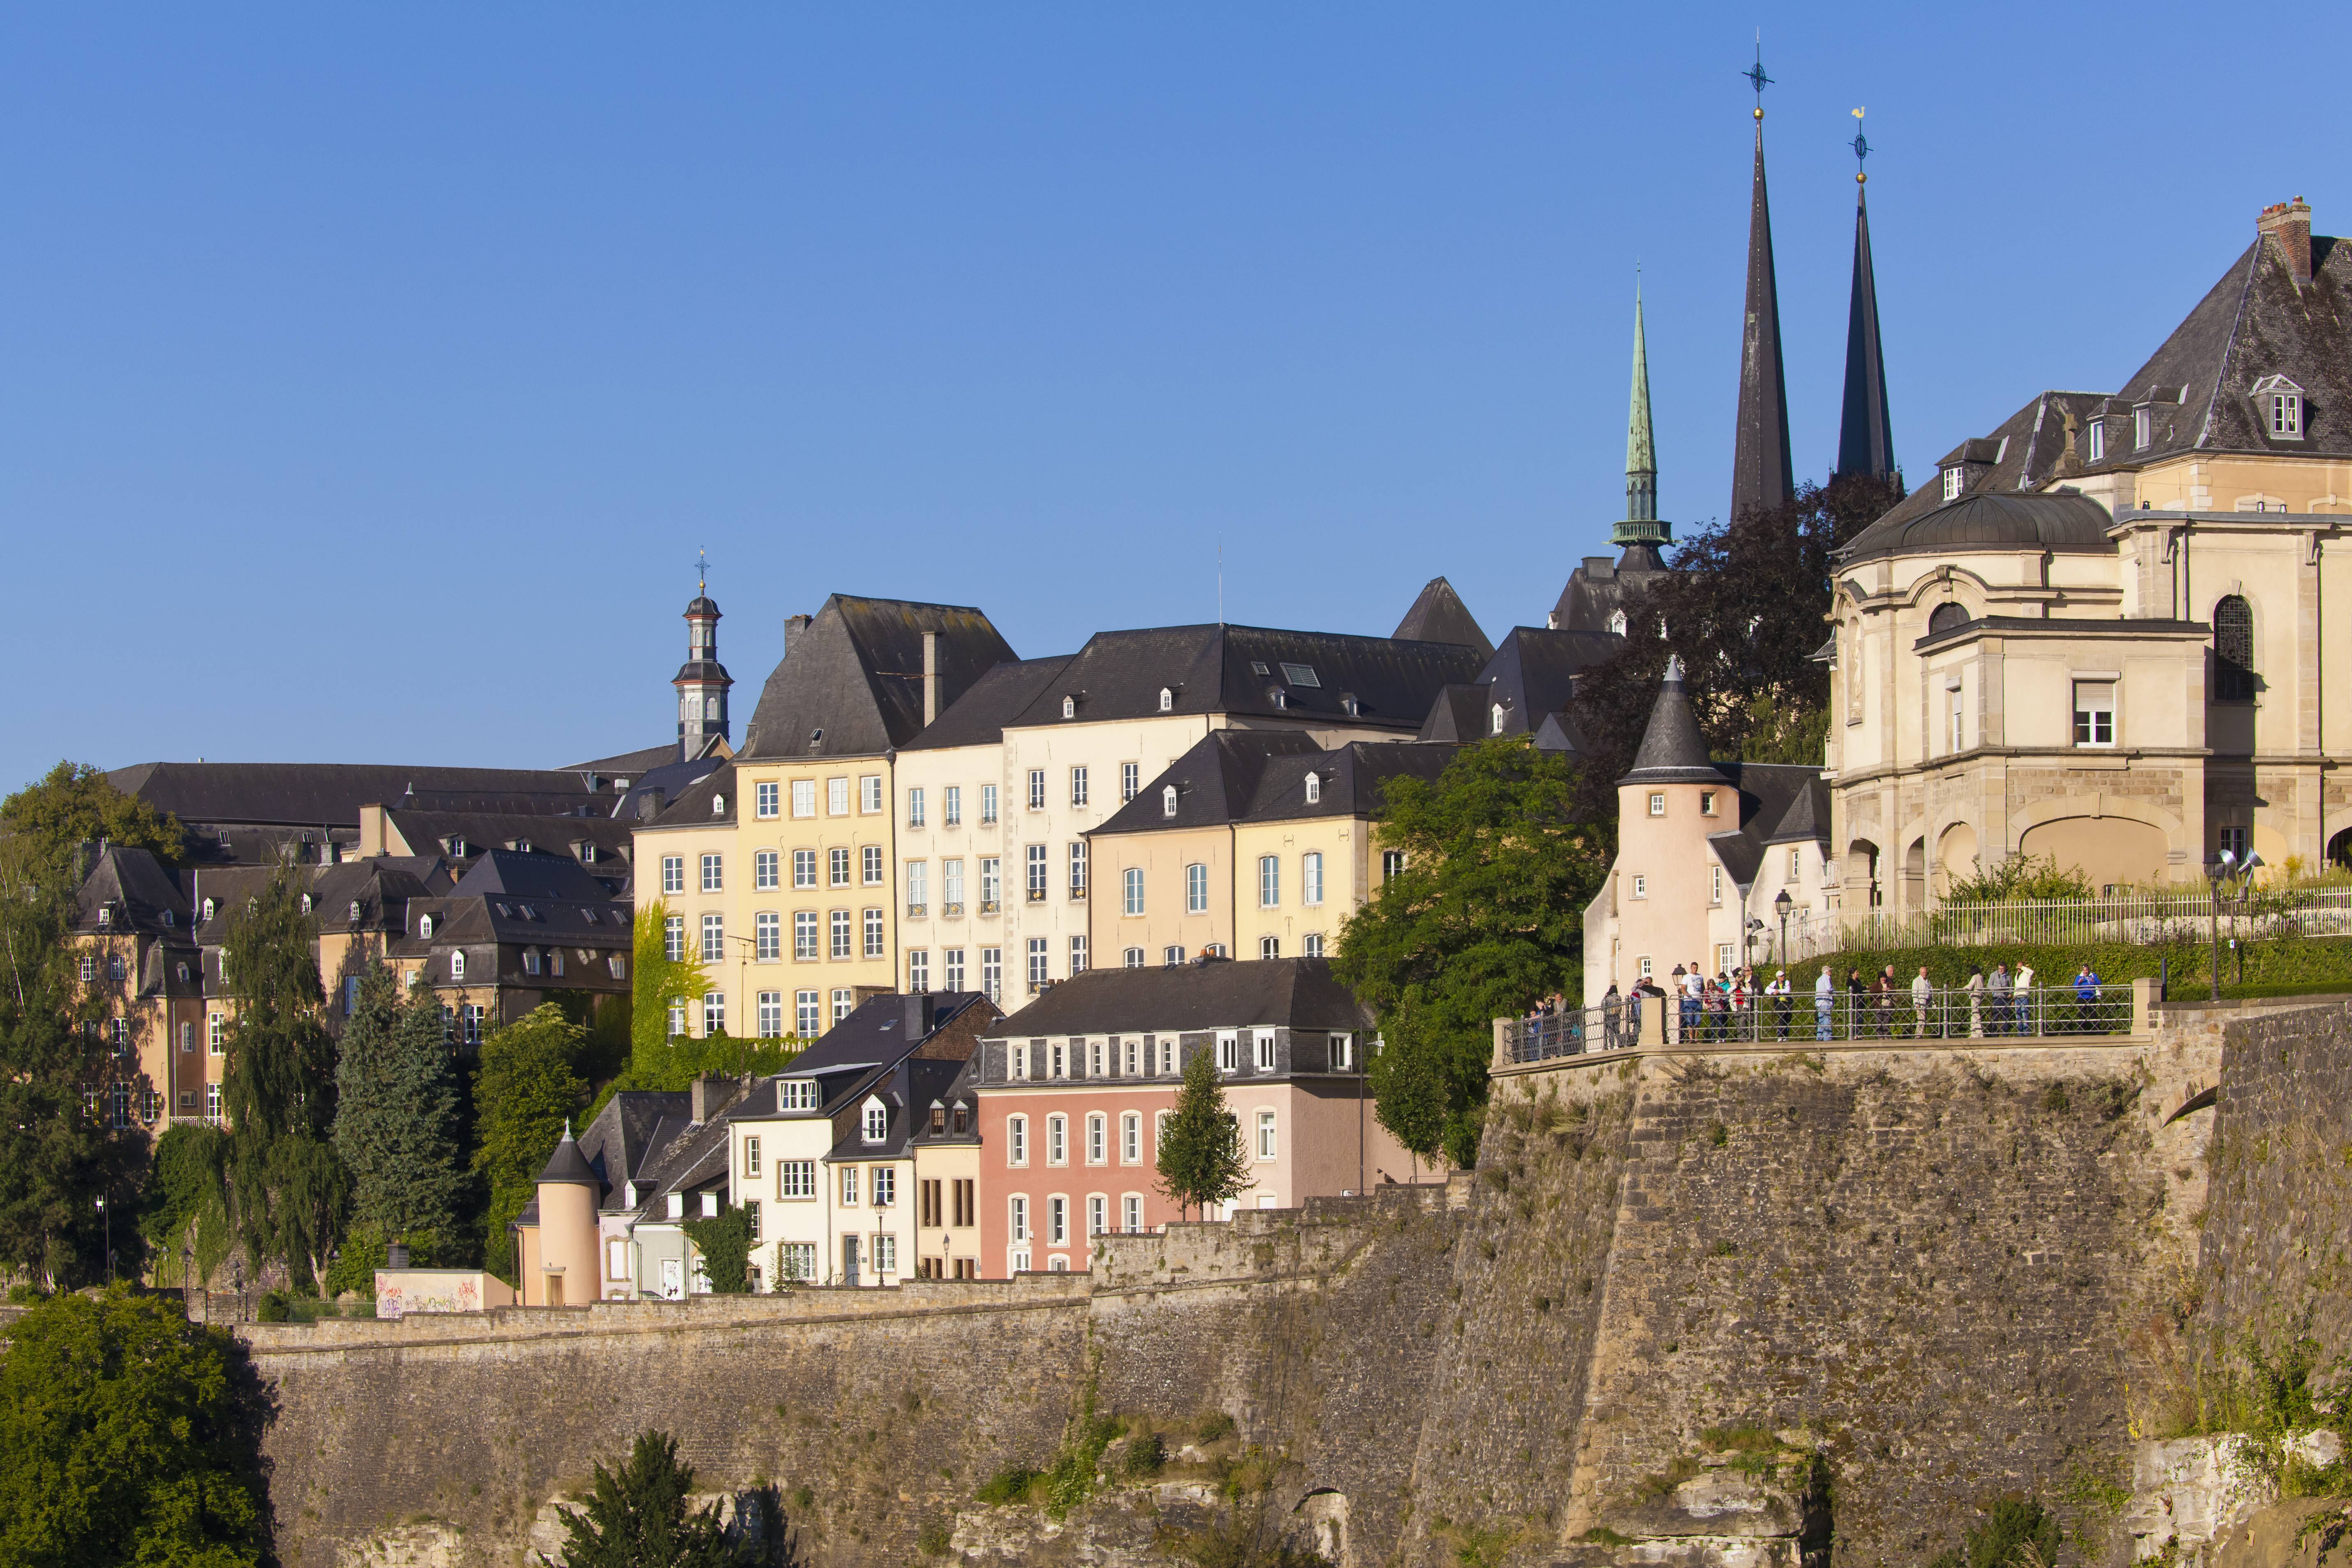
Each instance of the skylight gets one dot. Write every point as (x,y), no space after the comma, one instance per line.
(1301,675)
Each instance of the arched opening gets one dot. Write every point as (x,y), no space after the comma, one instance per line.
(1945,617)
(2108,850)
(1914,875)
(2339,849)
(1862,872)
(2233,649)
(1955,857)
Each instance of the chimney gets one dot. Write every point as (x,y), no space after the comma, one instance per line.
(705,1099)
(793,627)
(918,1016)
(649,804)
(931,658)
(2289,223)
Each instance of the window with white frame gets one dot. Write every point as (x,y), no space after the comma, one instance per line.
(808,1013)
(1130,779)
(1039,974)
(765,864)
(885,1185)
(952,887)
(767,936)
(1077,955)
(805,797)
(1018,1214)
(1641,886)
(1229,1051)
(844,1001)
(1955,481)
(796,1178)
(1016,1134)
(1956,712)
(1714,884)
(616,1259)
(1094,1057)
(1131,890)
(2094,713)
(1313,788)
(772,1015)
(840,939)
(1078,869)
(915,807)
(673,875)
(1037,789)
(1166,800)
(1171,956)
(1131,1206)
(674,938)
(714,937)
(918,887)
(712,882)
(804,867)
(1311,945)
(987,804)
(870,793)
(951,968)
(1131,957)
(1057,1221)
(457,964)
(1266,1147)
(1034,858)
(876,933)
(870,865)
(849,1184)
(769,798)
(677,1017)
(1391,866)
(804,934)
(1269,947)
(1131,1138)
(1097,1139)
(836,797)
(1270,882)
(2098,447)
(1658,802)
(714,1013)
(991,973)
(797,1260)
(2140,432)
(1264,1042)
(1057,1140)
(886,1253)
(837,867)
(1196,888)
(1796,866)
(1079,787)
(1098,1214)
(918,970)
(1310,878)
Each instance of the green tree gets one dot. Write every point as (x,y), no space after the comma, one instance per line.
(56,1153)
(286,1189)
(637,1518)
(184,1212)
(725,1243)
(656,981)
(396,1114)
(1486,917)
(74,803)
(124,1438)
(1202,1160)
(1409,1090)
(523,1092)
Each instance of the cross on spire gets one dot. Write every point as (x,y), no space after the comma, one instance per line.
(702,571)
(1860,145)
(1755,74)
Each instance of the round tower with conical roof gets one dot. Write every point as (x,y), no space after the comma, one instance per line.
(565,1271)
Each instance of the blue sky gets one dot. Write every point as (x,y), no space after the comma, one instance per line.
(371,376)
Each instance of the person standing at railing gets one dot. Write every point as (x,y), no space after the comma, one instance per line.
(2087,997)
(1997,991)
(1824,1001)
(1881,1001)
(1857,1006)
(2024,1007)
(1693,986)
(1779,991)
(1923,1002)
(1613,1010)
(1976,1003)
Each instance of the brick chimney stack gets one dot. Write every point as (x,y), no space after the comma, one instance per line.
(2289,223)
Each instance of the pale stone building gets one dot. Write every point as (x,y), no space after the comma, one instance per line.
(2101,632)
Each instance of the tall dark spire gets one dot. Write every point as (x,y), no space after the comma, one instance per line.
(1760,471)
(1865,431)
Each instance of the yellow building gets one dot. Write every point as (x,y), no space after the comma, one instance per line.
(778,870)
(1254,844)
(2100,632)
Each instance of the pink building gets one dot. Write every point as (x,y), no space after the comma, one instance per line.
(1073,1088)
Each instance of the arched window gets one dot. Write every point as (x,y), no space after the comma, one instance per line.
(1313,788)
(1617,623)
(1167,699)
(1945,617)
(1497,718)
(718,805)
(2233,650)
(424,926)
(1168,800)
(710,707)
(457,964)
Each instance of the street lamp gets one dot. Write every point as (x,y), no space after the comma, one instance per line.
(108,1220)
(1780,901)
(2224,868)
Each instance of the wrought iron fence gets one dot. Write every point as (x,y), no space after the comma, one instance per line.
(2138,919)
(1898,1015)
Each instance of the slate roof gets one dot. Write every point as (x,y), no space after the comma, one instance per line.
(1807,815)
(652,791)
(514,874)
(1983,520)
(961,1090)
(1438,614)
(141,889)
(1260,775)
(629,765)
(426,832)
(315,794)
(908,1090)
(1459,714)
(1240,670)
(876,1034)
(851,685)
(566,1166)
(1533,673)
(1770,795)
(978,717)
(1596,590)
(2257,321)
(1673,749)
(625,1133)
(1298,992)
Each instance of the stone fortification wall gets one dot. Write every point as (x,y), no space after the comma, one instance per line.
(1927,1262)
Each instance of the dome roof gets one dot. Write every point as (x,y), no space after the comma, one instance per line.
(701,604)
(1994,521)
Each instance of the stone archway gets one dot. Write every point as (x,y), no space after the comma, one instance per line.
(1915,876)
(2107,850)
(1861,875)
(1956,856)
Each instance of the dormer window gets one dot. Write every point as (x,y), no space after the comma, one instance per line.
(353,915)
(1956,479)
(1496,720)
(1281,698)
(1313,788)
(524,846)
(208,909)
(587,854)
(1167,701)
(718,805)
(457,847)
(1069,706)
(424,924)
(168,920)
(877,1122)
(2279,402)
(457,964)
(1168,800)
(306,903)
(106,917)
(2098,446)
(1617,623)
(1348,703)
(2143,427)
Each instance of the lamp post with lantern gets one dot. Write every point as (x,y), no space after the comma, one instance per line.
(2233,876)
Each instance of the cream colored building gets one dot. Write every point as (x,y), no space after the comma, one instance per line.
(1254,844)
(2101,632)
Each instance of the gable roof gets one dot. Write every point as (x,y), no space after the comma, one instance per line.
(1255,673)
(978,717)
(317,795)
(1533,673)
(1460,715)
(516,874)
(851,685)
(1297,993)
(1214,781)
(1438,614)
(875,1034)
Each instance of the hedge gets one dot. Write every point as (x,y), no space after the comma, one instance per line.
(2275,967)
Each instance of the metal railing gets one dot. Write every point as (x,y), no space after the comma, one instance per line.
(2140,919)
(1942,1014)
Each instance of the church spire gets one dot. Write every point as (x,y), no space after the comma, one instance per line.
(1865,431)
(1641,524)
(1760,471)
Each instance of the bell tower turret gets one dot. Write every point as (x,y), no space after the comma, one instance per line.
(702,682)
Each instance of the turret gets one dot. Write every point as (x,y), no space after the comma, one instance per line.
(566,1261)
(702,682)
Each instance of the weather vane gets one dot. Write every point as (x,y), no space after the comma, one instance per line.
(702,571)
(1755,74)
(1860,145)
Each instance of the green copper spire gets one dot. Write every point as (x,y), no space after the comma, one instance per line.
(1641,525)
